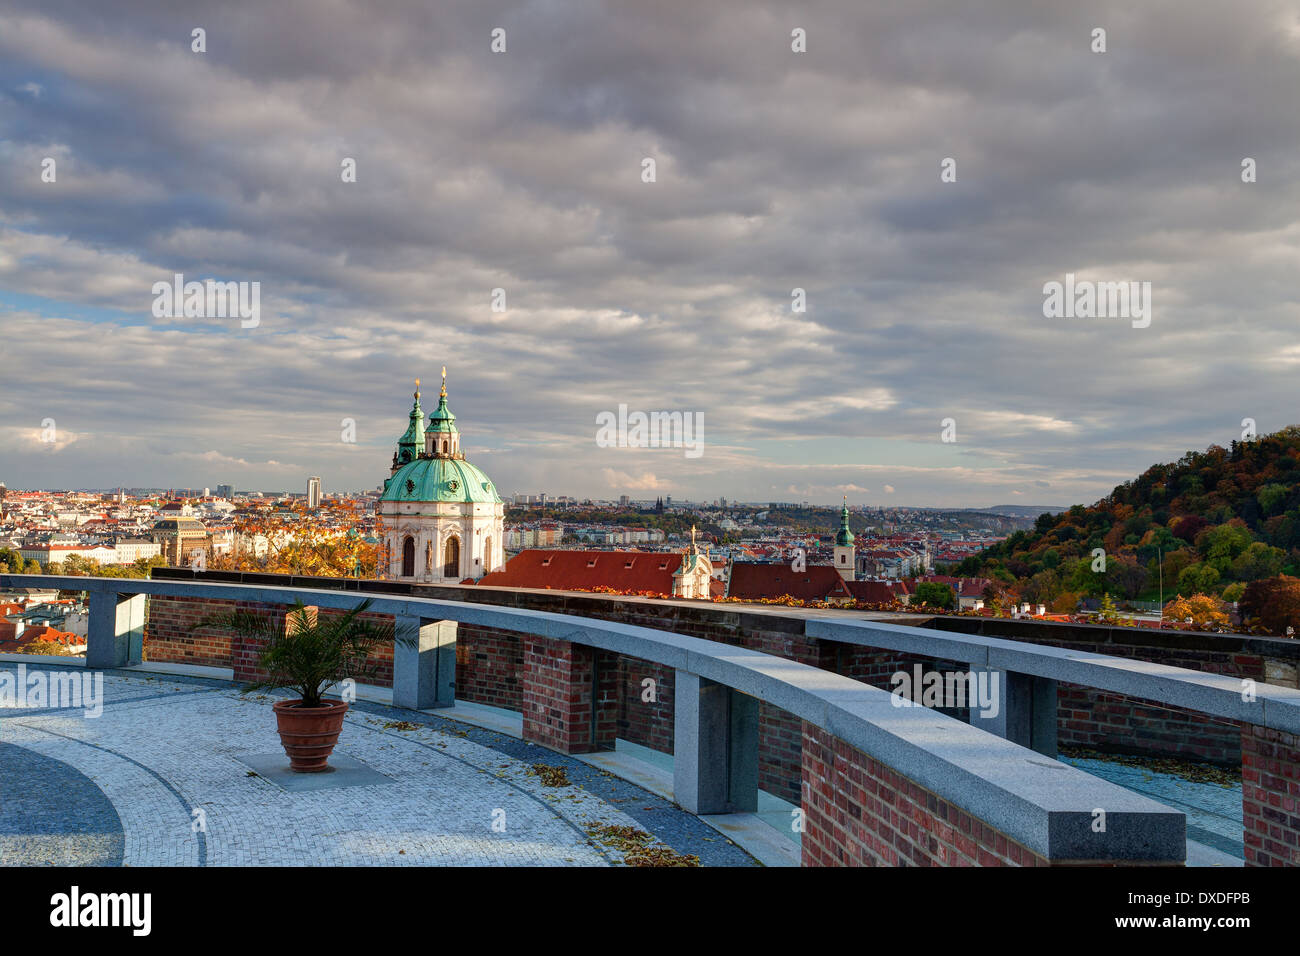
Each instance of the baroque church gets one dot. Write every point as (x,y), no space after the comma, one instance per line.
(442,519)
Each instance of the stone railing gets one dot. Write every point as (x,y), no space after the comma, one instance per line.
(880,783)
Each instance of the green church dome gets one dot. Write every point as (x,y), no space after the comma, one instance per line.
(440,479)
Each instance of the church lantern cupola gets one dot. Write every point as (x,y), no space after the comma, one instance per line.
(442,438)
(411,445)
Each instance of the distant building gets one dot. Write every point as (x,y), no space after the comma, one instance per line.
(51,553)
(225,491)
(178,538)
(130,550)
(313,492)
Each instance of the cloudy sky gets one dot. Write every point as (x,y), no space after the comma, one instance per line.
(523,171)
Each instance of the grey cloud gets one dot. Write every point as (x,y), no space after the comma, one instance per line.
(775,171)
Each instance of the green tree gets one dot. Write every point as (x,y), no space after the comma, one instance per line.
(1197,579)
(1220,546)
(933,594)
(311,652)
(1084,579)
(1258,561)
(1270,497)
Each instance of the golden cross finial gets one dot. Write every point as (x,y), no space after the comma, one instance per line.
(444,382)
(417,388)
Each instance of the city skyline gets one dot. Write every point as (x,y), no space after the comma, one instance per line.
(523,171)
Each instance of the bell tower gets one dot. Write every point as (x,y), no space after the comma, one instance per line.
(844,563)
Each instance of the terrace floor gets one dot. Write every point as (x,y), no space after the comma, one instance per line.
(165,777)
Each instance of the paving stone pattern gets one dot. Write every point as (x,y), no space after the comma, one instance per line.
(157,780)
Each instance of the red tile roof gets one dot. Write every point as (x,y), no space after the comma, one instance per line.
(875,592)
(575,570)
(819,582)
(11,645)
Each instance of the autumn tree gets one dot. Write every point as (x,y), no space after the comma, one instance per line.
(1108,613)
(1125,575)
(1273,603)
(1200,608)
(292,540)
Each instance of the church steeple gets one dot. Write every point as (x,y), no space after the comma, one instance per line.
(844,537)
(411,445)
(845,563)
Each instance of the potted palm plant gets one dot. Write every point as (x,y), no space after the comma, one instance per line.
(310,654)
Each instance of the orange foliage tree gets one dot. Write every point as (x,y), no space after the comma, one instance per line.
(1201,608)
(288,539)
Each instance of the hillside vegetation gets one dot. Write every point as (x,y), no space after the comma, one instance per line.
(1209,523)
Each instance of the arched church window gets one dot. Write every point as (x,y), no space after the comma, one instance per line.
(451,559)
(408,557)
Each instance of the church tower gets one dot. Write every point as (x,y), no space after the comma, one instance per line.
(844,546)
(441,518)
(411,444)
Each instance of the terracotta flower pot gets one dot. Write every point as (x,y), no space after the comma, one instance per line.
(309,733)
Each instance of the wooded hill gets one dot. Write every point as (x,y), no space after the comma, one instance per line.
(1211,521)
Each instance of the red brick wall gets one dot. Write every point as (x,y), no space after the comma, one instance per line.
(645,722)
(1114,724)
(168,636)
(859,812)
(1270,796)
(558,707)
(488,663)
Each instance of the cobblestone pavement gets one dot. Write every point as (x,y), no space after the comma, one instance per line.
(157,780)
